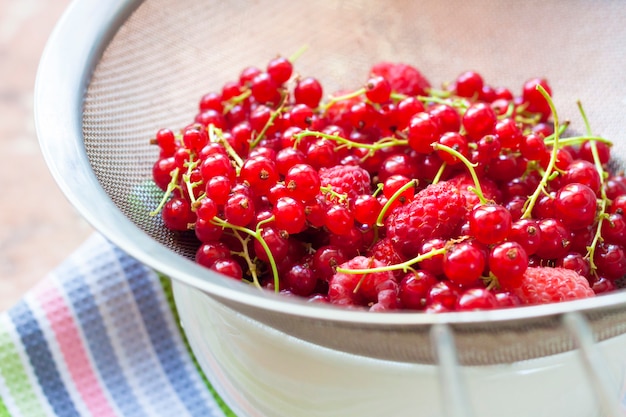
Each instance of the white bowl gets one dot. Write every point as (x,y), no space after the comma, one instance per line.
(262,372)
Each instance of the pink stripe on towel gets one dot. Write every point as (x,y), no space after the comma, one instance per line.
(79,365)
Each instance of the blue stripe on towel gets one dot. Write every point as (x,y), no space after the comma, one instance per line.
(163,342)
(41,360)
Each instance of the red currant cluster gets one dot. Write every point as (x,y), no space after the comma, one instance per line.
(395,195)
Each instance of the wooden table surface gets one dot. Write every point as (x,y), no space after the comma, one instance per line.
(38,227)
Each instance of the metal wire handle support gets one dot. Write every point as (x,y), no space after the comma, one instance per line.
(455,399)
(594,364)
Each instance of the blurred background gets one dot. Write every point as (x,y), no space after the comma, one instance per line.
(38,227)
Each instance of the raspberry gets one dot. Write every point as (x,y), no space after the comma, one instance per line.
(541,285)
(489,188)
(403,78)
(385,252)
(434,213)
(361,289)
(346,179)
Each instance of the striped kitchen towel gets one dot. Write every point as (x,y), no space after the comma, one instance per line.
(100,337)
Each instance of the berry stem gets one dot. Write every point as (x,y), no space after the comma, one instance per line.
(439,173)
(334,99)
(173,184)
(603,198)
(379,220)
(341,198)
(245,254)
(458,103)
(434,93)
(233,101)
(577,140)
(594,146)
(527,118)
(547,175)
(378,190)
(404,266)
(265,221)
(470,167)
(358,285)
(254,142)
(191,165)
(386,142)
(215,135)
(510,109)
(298,53)
(397,96)
(548,140)
(257,235)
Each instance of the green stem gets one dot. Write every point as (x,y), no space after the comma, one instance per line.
(265,221)
(296,55)
(601,216)
(404,266)
(392,199)
(254,142)
(245,254)
(562,128)
(232,102)
(528,119)
(553,157)
(440,171)
(509,110)
(470,167)
(215,135)
(591,249)
(348,96)
(386,142)
(191,165)
(257,235)
(173,184)
(458,103)
(437,93)
(328,189)
(397,96)
(577,140)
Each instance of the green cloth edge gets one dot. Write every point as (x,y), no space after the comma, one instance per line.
(3,409)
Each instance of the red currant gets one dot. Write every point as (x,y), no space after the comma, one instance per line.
(303,182)
(423,130)
(464,263)
(414,289)
(280,69)
(476,299)
(469,84)
(378,89)
(239,209)
(508,262)
(308,91)
(479,120)
(490,223)
(177,214)
(575,205)
(290,215)
(339,220)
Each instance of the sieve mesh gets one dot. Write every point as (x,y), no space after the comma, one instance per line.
(168,53)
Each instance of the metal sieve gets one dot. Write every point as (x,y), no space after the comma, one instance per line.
(115,72)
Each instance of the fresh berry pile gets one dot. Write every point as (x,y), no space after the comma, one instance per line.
(395,195)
